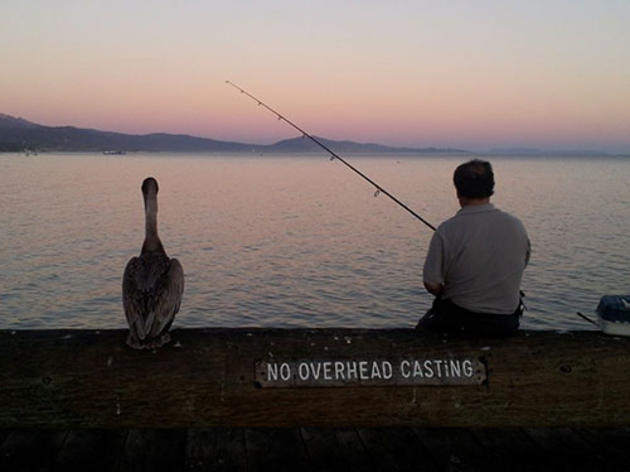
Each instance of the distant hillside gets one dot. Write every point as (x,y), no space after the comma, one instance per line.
(306,145)
(17,134)
(533,152)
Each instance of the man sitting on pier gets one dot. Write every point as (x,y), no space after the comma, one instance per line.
(475,262)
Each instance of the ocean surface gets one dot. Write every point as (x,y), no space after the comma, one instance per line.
(291,241)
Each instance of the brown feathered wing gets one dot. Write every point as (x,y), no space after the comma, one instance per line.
(152,293)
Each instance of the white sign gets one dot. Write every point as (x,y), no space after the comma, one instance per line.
(364,372)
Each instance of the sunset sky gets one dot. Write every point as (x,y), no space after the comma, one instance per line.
(469,74)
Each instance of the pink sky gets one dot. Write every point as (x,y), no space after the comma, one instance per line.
(475,75)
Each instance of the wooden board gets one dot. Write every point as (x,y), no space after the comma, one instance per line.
(317,449)
(207,377)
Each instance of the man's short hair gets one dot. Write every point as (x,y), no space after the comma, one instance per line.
(474,179)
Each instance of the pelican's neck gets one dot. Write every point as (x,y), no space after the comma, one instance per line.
(151,239)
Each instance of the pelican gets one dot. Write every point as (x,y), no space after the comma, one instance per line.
(153,283)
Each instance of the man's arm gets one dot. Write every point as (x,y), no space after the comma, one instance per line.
(435,289)
(528,253)
(433,272)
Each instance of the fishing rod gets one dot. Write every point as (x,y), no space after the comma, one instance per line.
(333,155)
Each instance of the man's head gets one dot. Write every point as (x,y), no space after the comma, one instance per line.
(474,181)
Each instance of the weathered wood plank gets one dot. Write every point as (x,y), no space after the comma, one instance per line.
(396,449)
(380,449)
(201,445)
(354,452)
(100,449)
(30,450)
(563,449)
(91,379)
(453,449)
(278,449)
(151,450)
(614,444)
(216,449)
(615,441)
(324,450)
(3,435)
(509,446)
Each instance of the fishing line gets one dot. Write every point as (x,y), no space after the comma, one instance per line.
(587,318)
(333,155)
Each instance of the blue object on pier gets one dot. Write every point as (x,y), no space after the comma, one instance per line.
(613,314)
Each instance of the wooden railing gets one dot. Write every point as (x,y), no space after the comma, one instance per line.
(312,377)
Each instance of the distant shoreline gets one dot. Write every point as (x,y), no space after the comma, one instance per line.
(318,154)
(19,135)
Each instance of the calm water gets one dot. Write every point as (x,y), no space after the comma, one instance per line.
(292,241)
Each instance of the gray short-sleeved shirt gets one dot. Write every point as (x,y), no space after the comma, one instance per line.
(479,256)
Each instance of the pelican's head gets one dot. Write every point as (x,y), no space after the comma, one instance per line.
(149,185)
(149,193)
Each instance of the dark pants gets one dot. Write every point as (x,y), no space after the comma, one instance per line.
(446,317)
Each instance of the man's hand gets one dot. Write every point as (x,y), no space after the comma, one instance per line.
(435,289)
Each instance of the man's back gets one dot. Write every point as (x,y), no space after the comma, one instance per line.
(479,256)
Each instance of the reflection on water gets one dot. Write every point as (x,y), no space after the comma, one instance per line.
(288,241)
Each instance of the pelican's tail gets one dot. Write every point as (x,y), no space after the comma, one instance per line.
(148,324)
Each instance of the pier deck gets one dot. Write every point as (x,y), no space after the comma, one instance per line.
(317,449)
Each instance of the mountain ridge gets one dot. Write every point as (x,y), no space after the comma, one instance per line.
(18,134)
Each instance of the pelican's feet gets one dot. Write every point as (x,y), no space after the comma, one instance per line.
(134,342)
(161,340)
(151,343)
